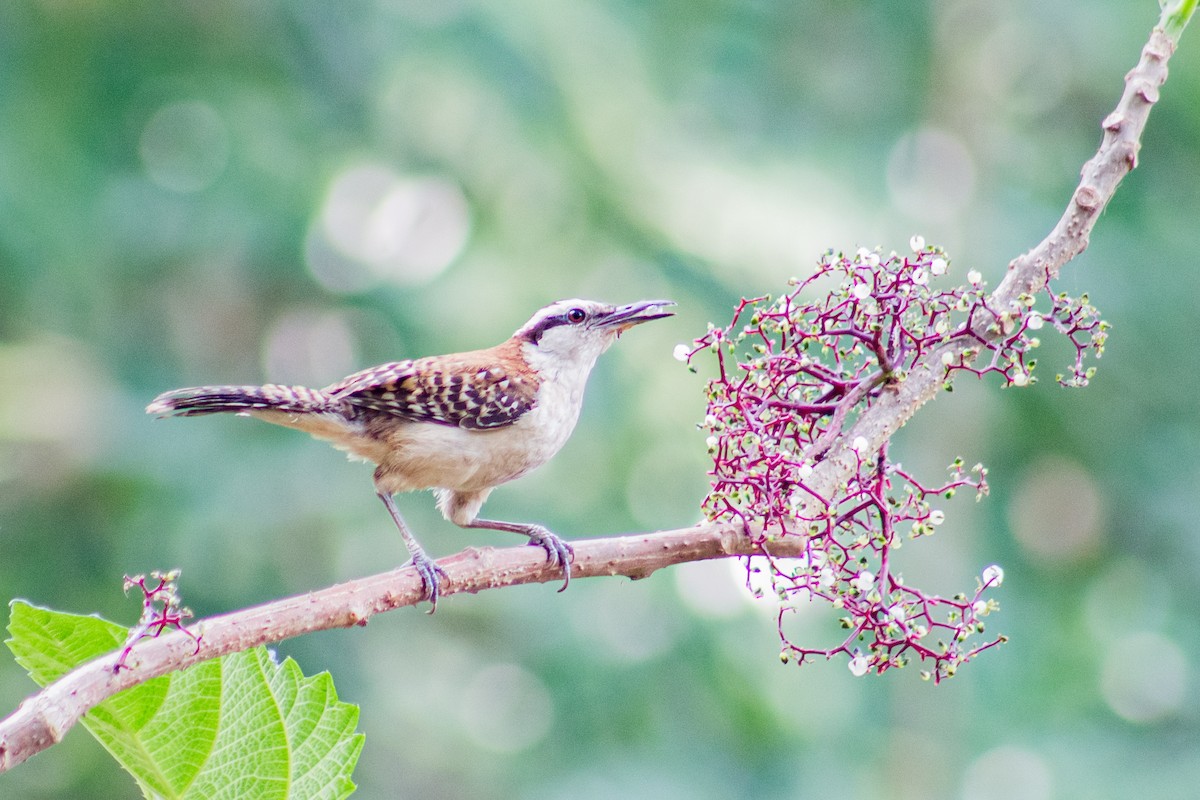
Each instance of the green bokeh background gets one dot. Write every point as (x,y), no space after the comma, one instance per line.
(221,191)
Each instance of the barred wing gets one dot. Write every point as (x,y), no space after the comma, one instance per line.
(466,391)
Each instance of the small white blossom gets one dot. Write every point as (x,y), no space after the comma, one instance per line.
(861,290)
(941,326)
(938,266)
(974,276)
(859,444)
(993,575)
(862,253)
(920,277)
(979,607)
(947,358)
(1019,378)
(1036,321)
(681,352)
(897,614)
(863,581)
(937,517)
(872,259)
(859,665)
(805,471)
(917,243)
(711,442)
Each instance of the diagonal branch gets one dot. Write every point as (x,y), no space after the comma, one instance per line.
(44,718)
(1029,273)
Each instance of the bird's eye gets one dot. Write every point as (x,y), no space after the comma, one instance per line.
(576,316)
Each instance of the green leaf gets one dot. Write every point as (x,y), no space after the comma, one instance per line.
(1175,16)
(233,727)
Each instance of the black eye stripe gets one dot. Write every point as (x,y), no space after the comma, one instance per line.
(572,316)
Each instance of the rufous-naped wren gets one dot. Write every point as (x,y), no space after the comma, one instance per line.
(459,424)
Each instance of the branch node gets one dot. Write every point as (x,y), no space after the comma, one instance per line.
(1148,92)
(1160,47)
(1129,151)
(1086,198)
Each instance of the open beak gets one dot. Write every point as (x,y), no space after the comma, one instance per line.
(625,317)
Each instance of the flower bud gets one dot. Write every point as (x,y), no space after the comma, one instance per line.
(859,665)
(863,581)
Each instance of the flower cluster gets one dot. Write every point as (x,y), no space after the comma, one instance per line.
(160,610)
(793,375)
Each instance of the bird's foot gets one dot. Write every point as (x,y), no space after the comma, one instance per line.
(558,551)
(431,577)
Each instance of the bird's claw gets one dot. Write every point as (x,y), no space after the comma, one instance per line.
(558,551)
(431,577)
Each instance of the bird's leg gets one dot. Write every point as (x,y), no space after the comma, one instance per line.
(425,566)
(557,550)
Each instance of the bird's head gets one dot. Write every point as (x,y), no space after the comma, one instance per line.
(578,331)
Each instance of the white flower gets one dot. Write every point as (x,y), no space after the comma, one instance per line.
(863,581)
(711,442)
(938,266)
(1036,321)
(872,259)
(920,277)
(1019,379)
(947,358)
(859,665)
(937,517)
(941,326)
(861,290)
(681,352)
(859,444)
(979,607)
(896,613)
(826,578)
(917,243)
(993,575)
(862,253)
(805,471)
(974,277)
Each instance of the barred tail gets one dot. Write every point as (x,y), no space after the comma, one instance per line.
(236,399)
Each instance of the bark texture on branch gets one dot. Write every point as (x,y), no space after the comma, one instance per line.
(44,718)
(1029,272)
